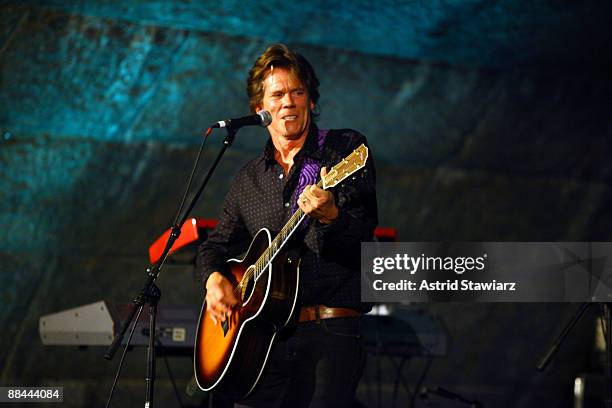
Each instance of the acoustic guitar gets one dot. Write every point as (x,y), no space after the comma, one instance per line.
(230,356)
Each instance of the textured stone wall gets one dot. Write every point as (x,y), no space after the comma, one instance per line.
(100,117)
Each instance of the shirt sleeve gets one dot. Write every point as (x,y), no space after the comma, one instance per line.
(229,239)
(340,240)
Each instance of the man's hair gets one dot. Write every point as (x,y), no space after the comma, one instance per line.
(279,56)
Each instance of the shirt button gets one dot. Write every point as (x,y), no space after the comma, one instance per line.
(280,176)
(286,205)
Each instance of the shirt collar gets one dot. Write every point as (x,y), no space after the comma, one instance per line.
(310,148)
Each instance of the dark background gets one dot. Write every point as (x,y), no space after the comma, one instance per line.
(489,121)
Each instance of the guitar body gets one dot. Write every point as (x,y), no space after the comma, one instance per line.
(230,356)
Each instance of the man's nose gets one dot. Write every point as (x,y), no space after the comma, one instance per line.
(288,100)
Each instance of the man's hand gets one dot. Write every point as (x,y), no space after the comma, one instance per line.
(220,297)
(319,203)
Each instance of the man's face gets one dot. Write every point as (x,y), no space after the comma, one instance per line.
(286,98)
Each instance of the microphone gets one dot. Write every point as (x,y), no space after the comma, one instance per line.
(261,118)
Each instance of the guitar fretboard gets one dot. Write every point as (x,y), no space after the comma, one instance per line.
(279,241)
(347,166)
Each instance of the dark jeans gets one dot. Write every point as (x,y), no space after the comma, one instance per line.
(316,364)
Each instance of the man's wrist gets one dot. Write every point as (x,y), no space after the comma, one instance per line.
(333,216)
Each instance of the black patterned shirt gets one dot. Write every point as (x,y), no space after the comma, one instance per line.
(261,195)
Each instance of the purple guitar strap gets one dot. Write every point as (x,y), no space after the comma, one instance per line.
(310,171)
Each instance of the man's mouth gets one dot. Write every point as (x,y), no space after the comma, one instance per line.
(290,117)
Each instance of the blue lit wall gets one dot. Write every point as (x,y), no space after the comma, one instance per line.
(487,122)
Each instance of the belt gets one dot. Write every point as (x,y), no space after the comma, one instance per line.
(310,313)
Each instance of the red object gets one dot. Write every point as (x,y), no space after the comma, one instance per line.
(190,232)
(386,233)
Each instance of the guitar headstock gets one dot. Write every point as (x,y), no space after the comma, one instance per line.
(346,167)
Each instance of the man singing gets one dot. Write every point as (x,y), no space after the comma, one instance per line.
(318,361)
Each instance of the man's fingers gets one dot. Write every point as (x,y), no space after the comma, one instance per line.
(316,197)
(220,297)
(221,308)
(215,308)
(309,196)
(211,313)
(303,202)
(218,308)
(229,297)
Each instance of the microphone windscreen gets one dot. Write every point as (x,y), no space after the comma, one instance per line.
(266,117)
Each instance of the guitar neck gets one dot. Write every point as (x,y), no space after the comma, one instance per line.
(281,238)
(347,166)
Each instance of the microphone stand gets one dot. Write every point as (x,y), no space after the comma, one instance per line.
(607,314)
(449,395)
(606,308)
(150,293)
